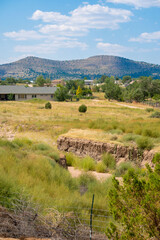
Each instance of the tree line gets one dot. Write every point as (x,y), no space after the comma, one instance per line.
(129,89)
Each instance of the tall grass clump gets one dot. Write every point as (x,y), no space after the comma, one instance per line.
(88,164)
(155,115)
(6,143)
(156,158)
(149,110)
(100,124)
(21,142)
(150,133)
(109,161)
(54,155)
(41,147)
(9,191)
(130,137)
(101,167)
(70,159)
(144,143)
(36,100)
(122,168)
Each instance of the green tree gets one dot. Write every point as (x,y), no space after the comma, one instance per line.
(138,95)
(126,79)
(61,94)
(112,90)
(40,81)
(48,81)
(135,205)
(11,97)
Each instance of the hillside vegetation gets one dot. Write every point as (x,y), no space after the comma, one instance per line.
(28,163)
(96,66)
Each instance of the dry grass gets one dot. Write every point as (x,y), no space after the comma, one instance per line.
(110,121)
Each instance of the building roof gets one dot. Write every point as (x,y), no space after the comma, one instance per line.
(13,89)
(57,80)
(88,80)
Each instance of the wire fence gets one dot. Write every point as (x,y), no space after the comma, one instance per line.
(23,218)
(152,104)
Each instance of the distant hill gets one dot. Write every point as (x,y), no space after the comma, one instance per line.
(92,67)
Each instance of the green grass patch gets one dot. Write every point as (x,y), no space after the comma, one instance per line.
(36,100)
(101,167)
(155,115)
(144,143)
(130,137)
(149,110)
(109,161)
(122,168)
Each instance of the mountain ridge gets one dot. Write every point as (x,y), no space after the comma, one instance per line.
(91,67)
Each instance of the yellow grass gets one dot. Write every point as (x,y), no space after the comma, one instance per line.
(101,119)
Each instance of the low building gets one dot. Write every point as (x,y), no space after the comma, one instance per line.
(19,93)
(88,82)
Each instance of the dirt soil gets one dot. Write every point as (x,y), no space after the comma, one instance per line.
(22,225)
(99,176)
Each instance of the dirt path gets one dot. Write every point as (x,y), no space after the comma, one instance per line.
(99,176)
(129,106)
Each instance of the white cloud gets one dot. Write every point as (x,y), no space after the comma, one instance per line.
(62,30)
(50,47)
(59,31)
(49,16)
(147,37)
(23,35)
(113,49)
(138,3)
(82,19)
(99,40)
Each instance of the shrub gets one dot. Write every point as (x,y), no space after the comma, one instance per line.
(144,143)
(8,190)
(115,131)
(101,167)
(149,110)
(156,158)
(122,168)
(88,164)
(10,96)
(86,179)
(129,137)
(7,143)
(113,138)
(21,142)
(109,161)
(48,105)
(54,155)
(69,159)
(41,147)
(155,115)
(82,108)
(149,133)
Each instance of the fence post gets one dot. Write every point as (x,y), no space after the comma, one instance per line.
(91,218)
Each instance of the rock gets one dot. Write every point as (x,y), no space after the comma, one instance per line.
(94,149)
(62,161)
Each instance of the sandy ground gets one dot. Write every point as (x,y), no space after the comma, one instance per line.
(129,106)
(99,176)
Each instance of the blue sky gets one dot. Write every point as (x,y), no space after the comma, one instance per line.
(75,29)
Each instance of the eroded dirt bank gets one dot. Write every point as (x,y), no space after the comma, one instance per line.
(94,149)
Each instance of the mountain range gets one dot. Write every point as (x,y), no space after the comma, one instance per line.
(92,67)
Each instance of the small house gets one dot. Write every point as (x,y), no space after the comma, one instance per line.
(19,93)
